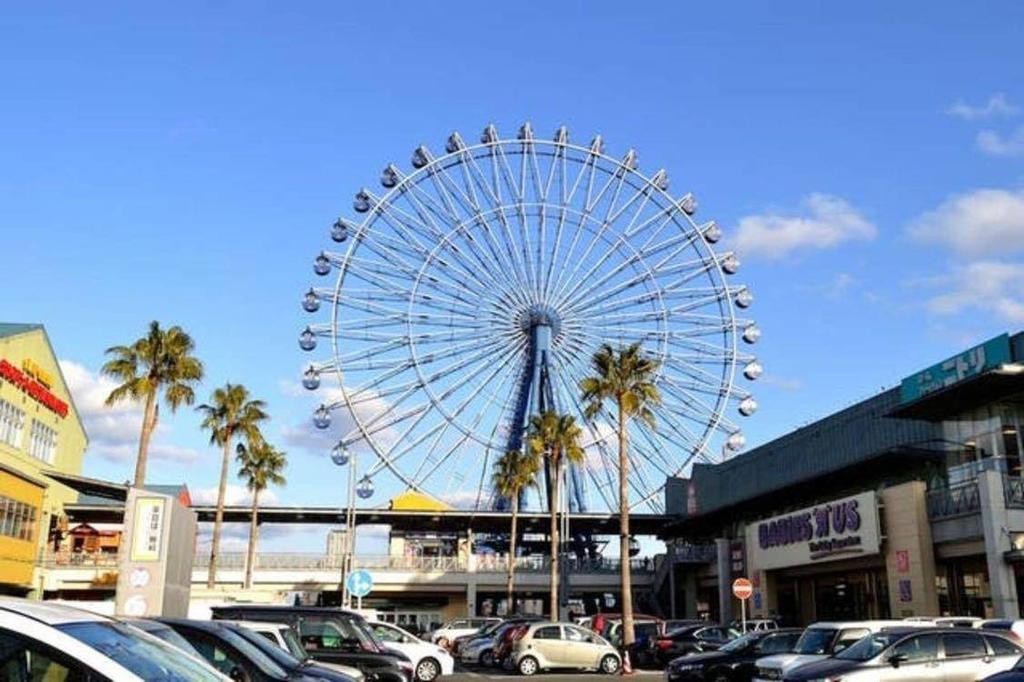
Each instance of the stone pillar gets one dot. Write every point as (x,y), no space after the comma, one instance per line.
(994,523)
(724,583)
(909,551)
(690,593)
(471,597)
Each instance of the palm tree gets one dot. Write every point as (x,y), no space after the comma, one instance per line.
(230,415)
(513,473)
(626,378)
(160,361)
(260,466)
(556,437)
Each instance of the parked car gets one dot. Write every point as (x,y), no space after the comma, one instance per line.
(646,630)
(480,650)
(481,633)
(224,647)
(1014,674)
(165,632)
(284,637)
(548,645)
(1013,628)
(504,644)
(734,661)
(754,625)
(676,623)
(818,642)
(459,627)
(690,639)
(330,636)
(602,621)
(303,665)
(429,661)
(945,621)
(41,641)
(950,655)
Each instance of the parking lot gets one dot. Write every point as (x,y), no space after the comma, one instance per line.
(464,675)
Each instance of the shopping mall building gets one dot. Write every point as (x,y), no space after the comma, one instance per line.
(40,431)
(908,503)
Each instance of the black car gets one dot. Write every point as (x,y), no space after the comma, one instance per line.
(288,661)
(231,654)
(733,661)
(1016,674)
(487,630)
(690,639)
(330,635)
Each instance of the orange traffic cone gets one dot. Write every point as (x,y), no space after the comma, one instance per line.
(627,667)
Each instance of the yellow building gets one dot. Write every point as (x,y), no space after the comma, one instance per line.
(40,431)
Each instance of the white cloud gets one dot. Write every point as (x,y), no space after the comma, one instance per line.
(992,287)
(982,222)
(995,144)
(235,495)
(997,105)
(114,431)
(304,436)
(825,221)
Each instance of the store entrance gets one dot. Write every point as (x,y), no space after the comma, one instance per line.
(848,595)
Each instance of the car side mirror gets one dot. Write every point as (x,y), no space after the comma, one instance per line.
(896,659)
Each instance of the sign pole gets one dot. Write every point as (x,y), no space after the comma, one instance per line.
(743,614)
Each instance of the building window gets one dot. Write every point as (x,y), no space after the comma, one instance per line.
(11,422)
(44,442)
(17,519)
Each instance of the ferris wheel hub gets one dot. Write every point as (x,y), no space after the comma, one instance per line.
(540,315)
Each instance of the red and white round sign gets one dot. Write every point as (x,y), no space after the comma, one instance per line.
(742,588)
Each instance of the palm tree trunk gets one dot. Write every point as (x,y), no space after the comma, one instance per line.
(554,540)
(512,557)
(218,519)
(628,636)
(254,529)
(148,425)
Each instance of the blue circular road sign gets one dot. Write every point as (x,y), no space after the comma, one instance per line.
(359,583)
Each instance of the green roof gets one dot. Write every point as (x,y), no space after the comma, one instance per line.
(15,328)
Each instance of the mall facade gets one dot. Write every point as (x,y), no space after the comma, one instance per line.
(909,503)
(40,432)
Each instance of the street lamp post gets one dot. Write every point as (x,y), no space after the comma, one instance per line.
(341,456)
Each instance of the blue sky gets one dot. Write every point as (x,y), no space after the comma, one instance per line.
(184,164)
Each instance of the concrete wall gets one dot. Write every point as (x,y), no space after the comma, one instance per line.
(909,553)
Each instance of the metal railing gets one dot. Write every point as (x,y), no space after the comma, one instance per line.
(954,501)
(79,559)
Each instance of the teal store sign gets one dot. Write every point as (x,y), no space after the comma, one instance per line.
(971,362)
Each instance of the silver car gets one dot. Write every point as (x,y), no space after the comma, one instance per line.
(563,645)
(919,655)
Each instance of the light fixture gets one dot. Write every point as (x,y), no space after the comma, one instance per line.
(748,406)
(311,302)
(361,203)
(322,264)
(311,379)
(389,176)
(322,417)
(339,454)
(339,230)
(365,488)
(307,339)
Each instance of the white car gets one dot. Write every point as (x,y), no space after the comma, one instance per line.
(43,641)
(447,633)
(282,635)
(946,621)
(818,642)
(429,661)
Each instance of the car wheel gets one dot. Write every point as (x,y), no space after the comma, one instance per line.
(487,658)
(528,666)
(610,664)
(427,670)
(720,676)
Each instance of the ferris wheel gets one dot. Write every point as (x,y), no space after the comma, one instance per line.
(474,289)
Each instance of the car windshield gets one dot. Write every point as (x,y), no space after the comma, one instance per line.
(272,651)
(167,633)
(149,658)
(868,647)
(740,643)
(814,641)
(295,648)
